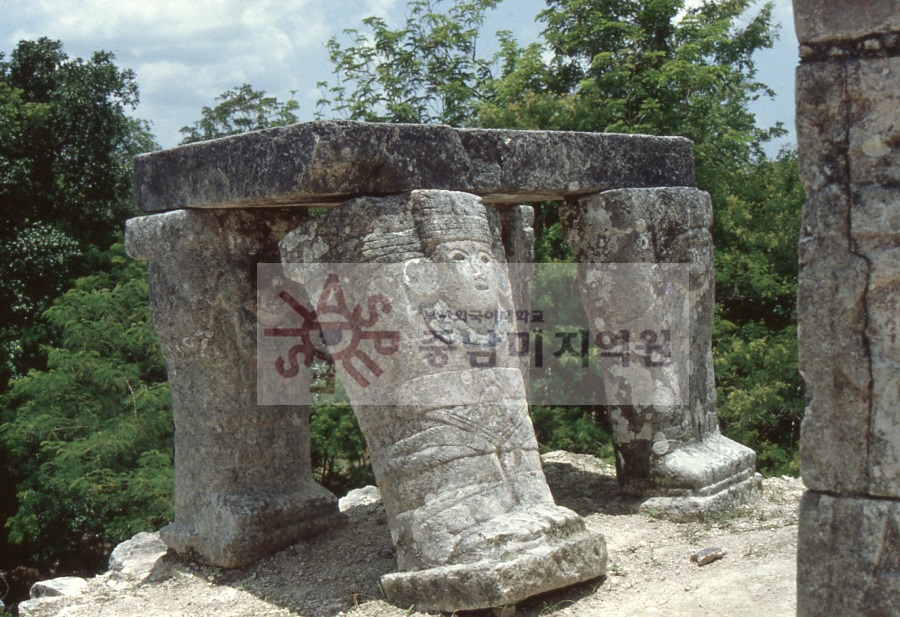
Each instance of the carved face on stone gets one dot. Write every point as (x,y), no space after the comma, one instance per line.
(470,273)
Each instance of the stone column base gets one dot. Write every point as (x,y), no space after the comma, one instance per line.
(242,528)
(565,555)
(704,477)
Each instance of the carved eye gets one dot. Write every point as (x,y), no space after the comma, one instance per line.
(485,258)
(458,256)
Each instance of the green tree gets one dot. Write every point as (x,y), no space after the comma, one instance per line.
(339,458)
(760,390)
(240,110)
(427,71)
(634,66)
(89,439)
(66,145)
(650,66)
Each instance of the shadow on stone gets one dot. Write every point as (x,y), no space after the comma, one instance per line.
(544,603)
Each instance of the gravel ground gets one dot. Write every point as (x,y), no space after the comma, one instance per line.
(650,570)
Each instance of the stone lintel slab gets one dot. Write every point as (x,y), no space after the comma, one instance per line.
(820,21)
(326,163)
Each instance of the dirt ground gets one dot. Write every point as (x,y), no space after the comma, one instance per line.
(650,572)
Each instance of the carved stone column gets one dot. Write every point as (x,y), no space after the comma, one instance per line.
(243,485)
(451,441)
(662,405)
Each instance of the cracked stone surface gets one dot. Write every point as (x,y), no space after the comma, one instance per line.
(517,229)
(470,512)
(325,163)
(663,412)
(243,483)
(848,556)
(848,132)
(850,275)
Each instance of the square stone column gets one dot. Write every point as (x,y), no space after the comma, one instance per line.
(243,484)
(671,451)
(848,132)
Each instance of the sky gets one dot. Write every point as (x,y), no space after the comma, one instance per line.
(186,52)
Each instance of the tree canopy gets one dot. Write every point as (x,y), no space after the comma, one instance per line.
(90,438)
(66,143)
(240,110)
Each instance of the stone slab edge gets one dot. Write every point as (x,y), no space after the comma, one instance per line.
(689,508)
(325,163)
(822,21)
(473,586)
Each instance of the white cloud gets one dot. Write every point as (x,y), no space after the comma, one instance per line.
(380,8)
(186,52)
(170,20)
(189,51)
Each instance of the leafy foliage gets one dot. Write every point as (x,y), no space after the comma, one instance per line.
(427,71)
(65,158)
(90,437)
(66,145)
(760,390)
(582,430)
(339,458)
(240,110)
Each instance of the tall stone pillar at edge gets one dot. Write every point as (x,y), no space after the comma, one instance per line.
(451,442)
(243,483)
(848,133)
(669,451)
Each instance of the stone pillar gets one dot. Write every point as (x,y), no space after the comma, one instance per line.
(517,232)
(848,133)
(243,485)
(662,410)
(451,442)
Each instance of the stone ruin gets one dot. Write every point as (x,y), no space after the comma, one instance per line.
(470,513)
(848,132)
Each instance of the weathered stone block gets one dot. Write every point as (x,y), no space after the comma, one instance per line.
(848,556)
(62,586)
(671,452)
(133,560)
(833,360)
(821,128)
(876,234)
(469,509)
(324,163)
(848,129)
(820,21)
(873,122)
(243,484)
